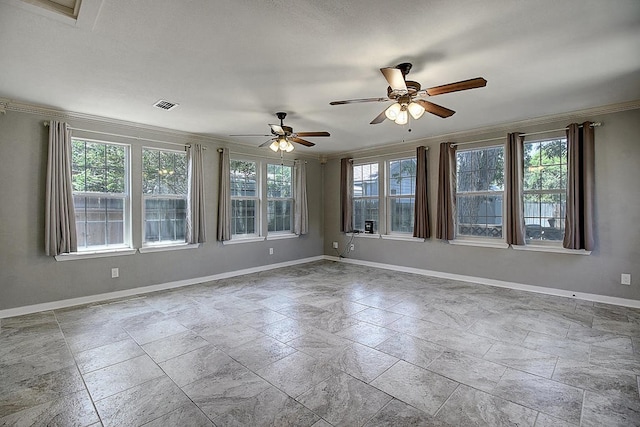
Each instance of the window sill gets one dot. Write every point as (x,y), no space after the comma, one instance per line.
(238,240)
(552,249)
(364,235)
(480,243)
(94,254)
(164,248)
(281,236)
(407,238)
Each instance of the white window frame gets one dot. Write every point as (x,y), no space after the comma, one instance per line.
(257,198)
(379,225)
(464,239)
(291,199)
(540,242)
(145,197)
(126,197)
(389,196)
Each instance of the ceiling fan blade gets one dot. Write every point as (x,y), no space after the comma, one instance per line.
(454,87)
(395,78)
(313,134)
(435,108)
(302,141)
(354,101)
(379,118)
(277,129)
(250,135)
(266,143)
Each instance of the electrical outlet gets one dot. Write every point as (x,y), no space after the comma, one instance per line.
(335,245)
(352,247)
(115,272)
(625,279)
(270,251)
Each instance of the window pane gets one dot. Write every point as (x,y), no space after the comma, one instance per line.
(279,181)
(279,215)
(243,213)
(243,178)
(480,170)
(402,177)
(164,172)
(479,215)
(365,210)
(402,214)
(165,219)
(99,220)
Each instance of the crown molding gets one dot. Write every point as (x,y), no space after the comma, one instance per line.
(125,126)
(478,132)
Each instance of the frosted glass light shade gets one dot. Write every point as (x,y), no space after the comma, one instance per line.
(274,146)
(289,147)
(403,117)
(416,110)
(392,111)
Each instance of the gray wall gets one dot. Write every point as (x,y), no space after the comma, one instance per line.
(28,276)
(617,223)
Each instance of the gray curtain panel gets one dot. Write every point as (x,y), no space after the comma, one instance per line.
(514,171)
(421,213)
(446,212)
(578,229)
(301,213)
(224,197)
(60,217)
(346,195)
(195,196)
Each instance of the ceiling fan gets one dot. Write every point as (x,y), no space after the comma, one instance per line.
(406,95)
(282,136)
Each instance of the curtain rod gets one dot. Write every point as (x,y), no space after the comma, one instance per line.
(355,159)
(128,136)
(593,125)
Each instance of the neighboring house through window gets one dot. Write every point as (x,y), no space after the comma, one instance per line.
(164,191)
(101,194)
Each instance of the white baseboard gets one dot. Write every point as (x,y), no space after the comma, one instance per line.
(54,305)
(492,282)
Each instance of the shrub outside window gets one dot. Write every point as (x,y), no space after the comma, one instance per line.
(100,194)
(480,192)
(545,189)
(164,190)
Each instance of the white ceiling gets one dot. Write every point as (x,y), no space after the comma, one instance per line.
(232,64)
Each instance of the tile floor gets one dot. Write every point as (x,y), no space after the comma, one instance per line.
(324,344)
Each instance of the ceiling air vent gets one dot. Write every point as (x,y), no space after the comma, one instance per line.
(165,105)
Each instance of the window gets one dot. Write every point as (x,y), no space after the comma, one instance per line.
(479,192)
(365,195)
(245,197)
(401,189)
(100,194)
(279,198)
(545,189)
(164,192)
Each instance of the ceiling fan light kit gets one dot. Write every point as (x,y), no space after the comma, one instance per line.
(406,95)
(283,136)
